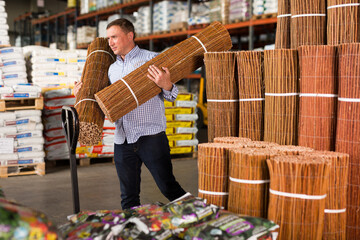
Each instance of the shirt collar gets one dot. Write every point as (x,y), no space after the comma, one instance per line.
(130,54)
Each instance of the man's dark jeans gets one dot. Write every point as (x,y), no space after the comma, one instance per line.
(154,152)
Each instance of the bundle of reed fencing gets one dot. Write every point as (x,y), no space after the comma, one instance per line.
(222,94)
(94,78)
(213,167)
(318,97)
(232,140)
(343,21)
(348,129)
(335,205)
(282,39)
(298,188)
(292,150)
(281,96)
(308,22)
(251,94)
(249,181)
(182,59)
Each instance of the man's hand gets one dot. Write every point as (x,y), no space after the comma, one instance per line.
(160,77)
(77,87)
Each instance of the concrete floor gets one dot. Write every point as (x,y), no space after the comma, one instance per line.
(98,188)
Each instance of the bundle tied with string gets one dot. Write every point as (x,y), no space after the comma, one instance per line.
(318,97)
(249,181)
(282,39)
(298,188)
(343,21)
(281,96)
(222,94)
(213,167)
(182,59)
(335,205)
(94,78)
(348,129)
(251,94)
(308,22)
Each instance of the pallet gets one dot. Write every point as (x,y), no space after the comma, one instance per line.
(199,26)
(239,20)
(22,169)
(183,29)
(263,16)
(21,104)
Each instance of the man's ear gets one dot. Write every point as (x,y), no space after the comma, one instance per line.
(130,35)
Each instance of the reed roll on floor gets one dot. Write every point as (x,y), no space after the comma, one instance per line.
(232,140)
(348,129)
(213,165)
(308,22)
(251,94)
(94,78)
(298,188)
(222,95)
(249,181)
(343,21)
(318,97)
(281,96)
(182,59)
(282,38)
(335,206)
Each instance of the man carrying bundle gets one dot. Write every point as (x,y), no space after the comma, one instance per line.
(140,135)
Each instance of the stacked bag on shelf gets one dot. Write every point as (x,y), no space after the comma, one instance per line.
(4,27)
(164,13)
(181,128)
(200,13)
(12,65)
(265,7)
(52,67)
(239,10)
(85,34)
(25,130)
(142,23)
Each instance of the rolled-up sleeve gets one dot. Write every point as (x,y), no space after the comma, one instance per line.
(172,94)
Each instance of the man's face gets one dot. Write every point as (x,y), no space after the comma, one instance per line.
(120,42)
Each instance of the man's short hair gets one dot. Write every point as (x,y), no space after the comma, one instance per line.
(124,24)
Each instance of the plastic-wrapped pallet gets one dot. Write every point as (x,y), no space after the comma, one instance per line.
(181,128)
(200,13)
(12,66)
(239,10)
(265,7)
(25,130)
(219,11)
(4,27)
(142,23)
(164,13)
(86,34)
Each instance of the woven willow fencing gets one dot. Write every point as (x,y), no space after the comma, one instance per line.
(348,129)
(282,39)
(335,205)
(281,96)
(343,21)
(308,22)
(94,79)
(222,94)
(298,188)
(318,92)
(182,59)
(213,168)
(251,94)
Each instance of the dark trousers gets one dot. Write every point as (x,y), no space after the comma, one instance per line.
(154,152)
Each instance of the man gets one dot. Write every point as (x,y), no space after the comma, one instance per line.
(140,135)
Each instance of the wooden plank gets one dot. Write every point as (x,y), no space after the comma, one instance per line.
(23,169)
(21,104)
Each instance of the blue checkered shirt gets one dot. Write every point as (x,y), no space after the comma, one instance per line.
(148,118)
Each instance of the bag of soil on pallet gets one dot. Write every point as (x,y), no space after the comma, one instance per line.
(233,226)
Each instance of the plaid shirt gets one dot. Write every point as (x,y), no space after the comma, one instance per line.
(148,118)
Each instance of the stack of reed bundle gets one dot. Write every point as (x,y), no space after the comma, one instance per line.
(222,94)
(298,188)
(292,150)
(249,181)
(343,21)
(281,96)
(251,94)
(335,206)
(94,78)
(182,59)
(308,22)
(282,39)
(348,129)
(232,140)
(318,92)
(213,167)
(261,144)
